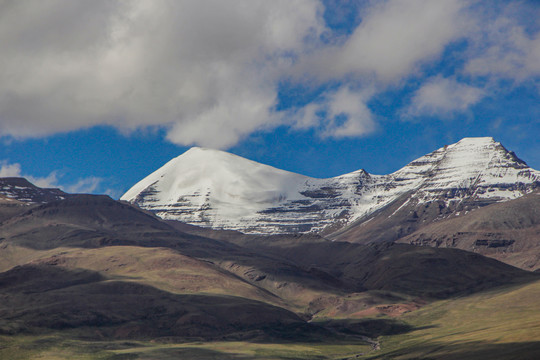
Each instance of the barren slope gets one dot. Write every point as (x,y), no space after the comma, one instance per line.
(508,231)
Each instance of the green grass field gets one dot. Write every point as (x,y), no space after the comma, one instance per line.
(58,346)
(497,324)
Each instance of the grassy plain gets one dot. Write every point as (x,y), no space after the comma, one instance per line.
(57,346)
(502,323)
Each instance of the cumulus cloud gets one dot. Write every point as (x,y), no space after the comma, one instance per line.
(505,48)
(9,170)
(443,96)
(14,170)
(393,39)
(209,71)
(204,69)
(343,113)
(83,185)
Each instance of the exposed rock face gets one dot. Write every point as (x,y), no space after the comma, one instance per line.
(220,190)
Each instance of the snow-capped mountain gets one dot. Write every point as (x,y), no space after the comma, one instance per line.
(216,189)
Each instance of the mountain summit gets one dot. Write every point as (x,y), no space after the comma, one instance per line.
(205,185)
(220,190)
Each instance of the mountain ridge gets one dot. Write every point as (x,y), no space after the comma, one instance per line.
(20,189)
(212,188)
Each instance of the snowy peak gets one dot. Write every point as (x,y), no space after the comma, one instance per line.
(479,153)
(447,183)
(467,155)
(485,141)
(210,158)
(205,185)
(227,177)
(478,167)
(216,189)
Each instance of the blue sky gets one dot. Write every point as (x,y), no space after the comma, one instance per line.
(96,95)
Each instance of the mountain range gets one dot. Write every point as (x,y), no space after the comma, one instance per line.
(433,261)
(218,190)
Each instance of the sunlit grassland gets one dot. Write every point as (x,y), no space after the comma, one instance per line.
(499,324)
(161,268)
(58,346)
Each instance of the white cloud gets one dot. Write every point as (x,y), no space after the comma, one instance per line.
(83,185)
(392,40)
(14,170)
(50,181)
(443,96)
(239,111)
(114,193)
(398,35)
(343,113)
(204,69)
(9,170)
(351,107)
(504,48)
(208,70)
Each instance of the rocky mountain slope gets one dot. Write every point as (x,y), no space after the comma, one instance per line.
(223,191)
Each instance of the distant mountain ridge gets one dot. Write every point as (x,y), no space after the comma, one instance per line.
(216,189)
(20,189)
